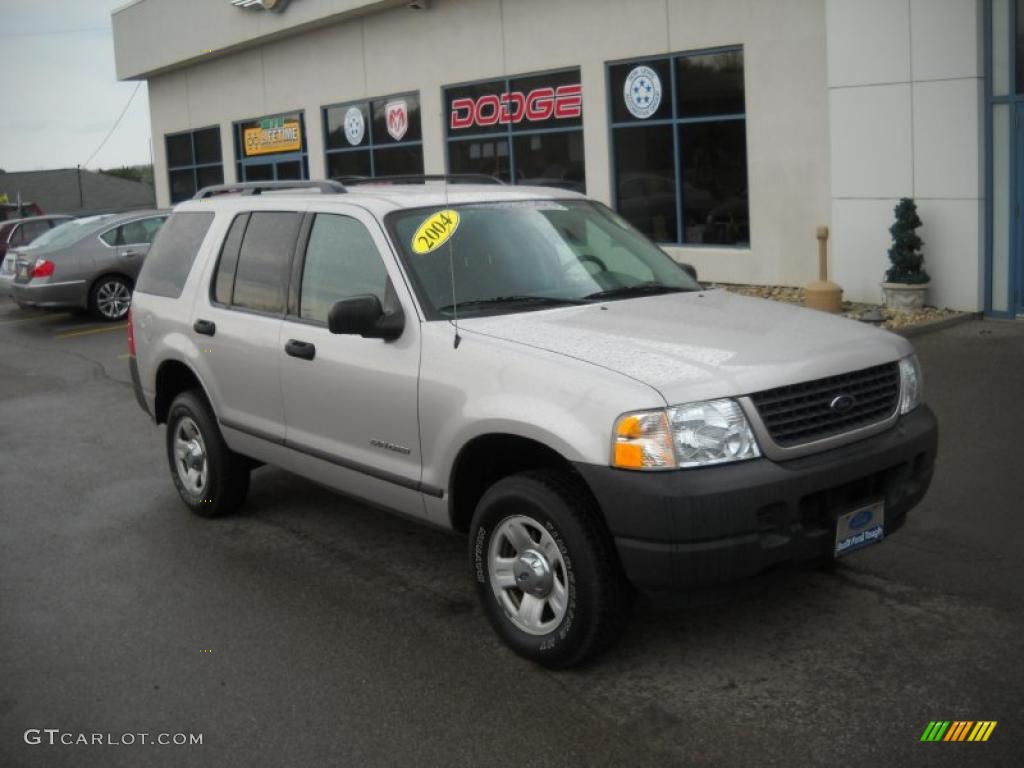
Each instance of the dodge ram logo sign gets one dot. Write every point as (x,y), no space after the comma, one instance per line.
(538,105)
(397,115)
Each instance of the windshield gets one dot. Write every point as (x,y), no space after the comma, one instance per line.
(528,255)
(69,232)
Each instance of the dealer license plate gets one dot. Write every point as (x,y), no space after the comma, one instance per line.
(859,528)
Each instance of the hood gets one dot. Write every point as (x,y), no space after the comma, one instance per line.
(701,345)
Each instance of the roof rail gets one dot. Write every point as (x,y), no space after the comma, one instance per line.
(259,187)
(421,178)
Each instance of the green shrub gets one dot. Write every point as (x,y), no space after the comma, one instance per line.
(905,253)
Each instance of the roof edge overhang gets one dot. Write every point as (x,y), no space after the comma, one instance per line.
(153,37)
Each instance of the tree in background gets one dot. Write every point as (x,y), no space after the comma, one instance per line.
(141,173)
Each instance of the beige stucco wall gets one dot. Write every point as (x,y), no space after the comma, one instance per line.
(458,40)
(906,95)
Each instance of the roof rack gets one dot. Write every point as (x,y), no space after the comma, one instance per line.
(259,187)
(421,178)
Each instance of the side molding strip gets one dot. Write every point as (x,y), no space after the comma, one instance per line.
(388,477)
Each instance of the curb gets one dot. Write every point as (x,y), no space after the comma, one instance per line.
(937,325)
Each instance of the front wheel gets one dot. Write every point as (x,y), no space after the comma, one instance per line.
(546,569)
(211,479)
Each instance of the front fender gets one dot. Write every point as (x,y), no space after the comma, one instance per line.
(491,386)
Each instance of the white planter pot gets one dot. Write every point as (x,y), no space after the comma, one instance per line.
(904,297)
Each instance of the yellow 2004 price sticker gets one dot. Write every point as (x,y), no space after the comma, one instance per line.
(435,231)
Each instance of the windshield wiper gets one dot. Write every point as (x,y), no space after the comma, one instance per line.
(640,289)
(552,301)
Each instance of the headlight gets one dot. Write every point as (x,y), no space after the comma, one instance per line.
(711,432)
(911,384)
(691,435)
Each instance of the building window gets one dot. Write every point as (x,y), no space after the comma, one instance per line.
(380,137)
(679,147)
(523,130)
(193,161)
(272,148)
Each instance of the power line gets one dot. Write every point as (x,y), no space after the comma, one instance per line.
(116,123)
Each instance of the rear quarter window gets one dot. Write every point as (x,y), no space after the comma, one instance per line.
(174,250)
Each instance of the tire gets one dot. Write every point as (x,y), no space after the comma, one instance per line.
(110,298)
(578,582)
(211,479)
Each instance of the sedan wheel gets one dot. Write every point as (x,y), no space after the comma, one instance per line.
(111,298)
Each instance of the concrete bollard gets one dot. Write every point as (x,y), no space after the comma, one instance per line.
(823,294)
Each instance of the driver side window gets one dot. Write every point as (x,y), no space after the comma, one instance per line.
(341,261)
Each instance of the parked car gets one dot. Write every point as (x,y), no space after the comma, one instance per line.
(91,263)
(523,366)
(20,232)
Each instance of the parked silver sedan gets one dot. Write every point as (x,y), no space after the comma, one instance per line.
(89,263)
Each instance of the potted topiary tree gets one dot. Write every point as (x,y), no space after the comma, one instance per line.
(906,280)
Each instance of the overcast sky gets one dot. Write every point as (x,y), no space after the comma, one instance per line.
(60,96)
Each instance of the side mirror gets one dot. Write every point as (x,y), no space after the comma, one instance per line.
(690,270)
(364,316)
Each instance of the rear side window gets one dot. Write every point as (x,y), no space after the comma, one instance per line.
(261,277)
(224,281)
(170,259)
(33,229)
(139,232)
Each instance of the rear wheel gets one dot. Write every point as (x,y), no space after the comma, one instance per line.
(110,298)
(546,569)
(211,479)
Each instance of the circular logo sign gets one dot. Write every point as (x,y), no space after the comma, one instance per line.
(642,92)
(355,126)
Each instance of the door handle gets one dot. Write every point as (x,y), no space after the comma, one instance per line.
(129,253)
(205,327)
(301,349)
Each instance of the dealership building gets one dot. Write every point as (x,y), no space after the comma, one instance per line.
(727,130)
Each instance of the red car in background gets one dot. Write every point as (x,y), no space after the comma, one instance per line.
(14,211)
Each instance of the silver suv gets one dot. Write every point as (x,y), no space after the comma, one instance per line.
(521,365)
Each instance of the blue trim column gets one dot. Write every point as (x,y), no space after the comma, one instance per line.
(1013,103)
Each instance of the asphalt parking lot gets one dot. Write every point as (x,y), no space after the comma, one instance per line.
(311,630)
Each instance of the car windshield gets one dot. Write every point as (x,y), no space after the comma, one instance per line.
(70,231)
(527,255)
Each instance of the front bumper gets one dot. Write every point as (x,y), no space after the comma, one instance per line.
(699,527)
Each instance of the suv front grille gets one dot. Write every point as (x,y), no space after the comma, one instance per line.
(801,413)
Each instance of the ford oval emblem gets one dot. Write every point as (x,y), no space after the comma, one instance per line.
(842,404)
(861,519)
